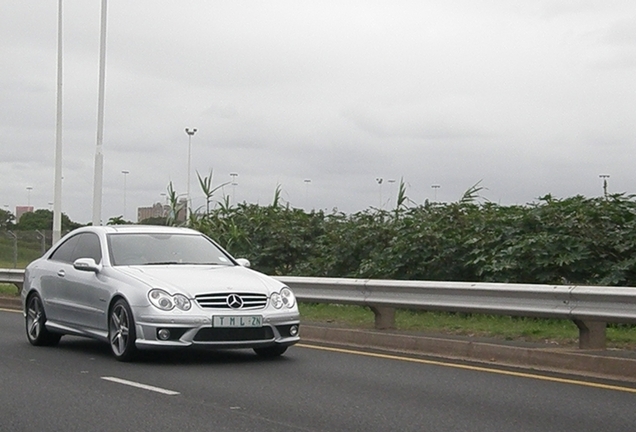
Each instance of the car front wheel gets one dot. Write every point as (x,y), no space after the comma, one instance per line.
(36,330)
(121,331)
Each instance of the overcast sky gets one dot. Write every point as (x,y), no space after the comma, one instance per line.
(528,97)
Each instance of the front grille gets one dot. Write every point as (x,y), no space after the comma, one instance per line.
(250,301)
(234,334)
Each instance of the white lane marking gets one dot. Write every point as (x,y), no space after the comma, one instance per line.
(141,386)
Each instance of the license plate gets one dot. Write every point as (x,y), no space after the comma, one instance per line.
(237,321)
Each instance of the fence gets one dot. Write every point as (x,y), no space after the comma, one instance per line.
(18,248)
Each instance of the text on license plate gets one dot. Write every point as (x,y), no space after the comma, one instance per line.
(237,321)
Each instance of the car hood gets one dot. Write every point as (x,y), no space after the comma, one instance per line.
(194,280)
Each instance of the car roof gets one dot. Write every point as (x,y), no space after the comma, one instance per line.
(137,229)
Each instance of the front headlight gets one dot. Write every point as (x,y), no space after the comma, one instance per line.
(284,299)
(164,301)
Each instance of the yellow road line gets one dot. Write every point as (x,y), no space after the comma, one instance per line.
(473,368)
(10,310)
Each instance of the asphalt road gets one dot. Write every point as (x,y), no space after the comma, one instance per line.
(77,386)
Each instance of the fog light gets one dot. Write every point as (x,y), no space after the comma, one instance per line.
(293,330)
(164,334)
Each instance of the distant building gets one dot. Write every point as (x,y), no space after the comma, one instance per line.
(20,210)
(159,210)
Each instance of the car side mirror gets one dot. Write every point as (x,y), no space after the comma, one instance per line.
(86,264)
(243,262)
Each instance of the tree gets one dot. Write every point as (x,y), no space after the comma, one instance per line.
(6,219)
(154,221)
(118,220)
(43,220)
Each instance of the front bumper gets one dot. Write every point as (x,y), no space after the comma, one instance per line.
(197,330)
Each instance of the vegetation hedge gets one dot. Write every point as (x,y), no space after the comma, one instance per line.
(577,240)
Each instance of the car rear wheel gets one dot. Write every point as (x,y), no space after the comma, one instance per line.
(36,331)
(270,352)
(121,331)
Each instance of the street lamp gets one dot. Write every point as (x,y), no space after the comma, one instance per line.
(604,177)
(29,189)
(391,182)
(380,180)
(190,133)
(125,173)
(435,187)
(307,182)
(99,154)
(234,183)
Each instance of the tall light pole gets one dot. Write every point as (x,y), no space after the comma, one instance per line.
(307,183)
(391,182)
(190,133)
(380,180)
(29,189)
(435,187)
(604,177)
(234,183)
(99,156)
(125,173)
(57,188)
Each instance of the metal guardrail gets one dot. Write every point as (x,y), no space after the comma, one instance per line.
(610,304)
(590,307)
(12,276)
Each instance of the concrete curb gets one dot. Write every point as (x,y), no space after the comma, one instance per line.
(605,364)
(10,303)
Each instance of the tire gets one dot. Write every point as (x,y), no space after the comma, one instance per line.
(270,352)
(121,332)
(35,321)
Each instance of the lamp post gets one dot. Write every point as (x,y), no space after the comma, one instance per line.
(604,177)
(307,183)
(125,173)
(57,183)
(380,180)
(99,155)
(234,183)
(190,133)
(435,187)
(391,182)
(29,189)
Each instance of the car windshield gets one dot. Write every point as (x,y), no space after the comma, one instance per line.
(162,249)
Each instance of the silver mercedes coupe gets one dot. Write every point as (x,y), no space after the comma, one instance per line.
(139,287)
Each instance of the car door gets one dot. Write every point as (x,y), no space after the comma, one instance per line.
(53,278)
(78,298)
(86,292)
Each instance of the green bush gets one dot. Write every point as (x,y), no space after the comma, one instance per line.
(577,240)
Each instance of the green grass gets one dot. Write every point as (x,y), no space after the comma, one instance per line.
(550,331)
(9,264)
(8,290)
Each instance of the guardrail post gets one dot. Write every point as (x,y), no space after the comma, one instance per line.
(591,334)
(384,317)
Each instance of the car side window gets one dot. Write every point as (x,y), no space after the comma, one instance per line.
(64,252)
(88,246)
(84,245)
